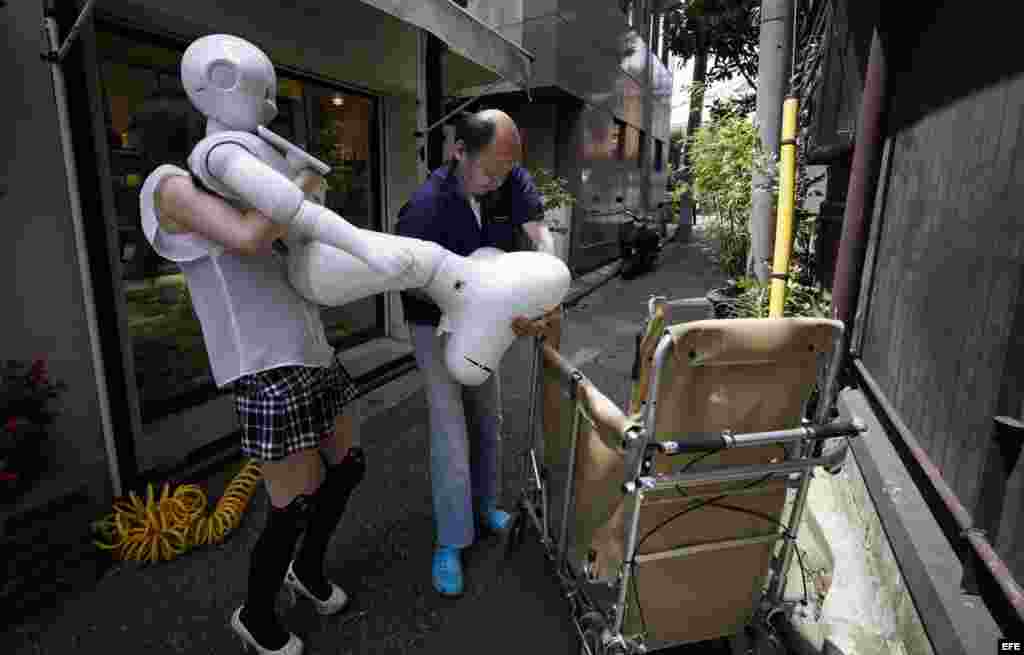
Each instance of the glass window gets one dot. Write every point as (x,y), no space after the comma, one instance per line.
(600,135)
(150,122)
(343,138)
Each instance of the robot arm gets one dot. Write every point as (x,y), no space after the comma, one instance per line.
(281,200)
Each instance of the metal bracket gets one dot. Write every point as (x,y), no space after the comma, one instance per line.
(640,485)
(632,435)
(56,57)
(421,134)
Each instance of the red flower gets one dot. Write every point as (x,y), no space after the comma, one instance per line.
(12,424)
(38,373)
(7,476)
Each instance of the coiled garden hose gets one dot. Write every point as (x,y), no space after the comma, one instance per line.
(165,527)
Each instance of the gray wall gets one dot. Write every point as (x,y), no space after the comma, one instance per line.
(343,44)
(43,298)
(943,325)
(589,50)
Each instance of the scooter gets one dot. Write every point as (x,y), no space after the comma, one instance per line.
(640,244)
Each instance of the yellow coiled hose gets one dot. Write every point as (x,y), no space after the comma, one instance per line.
(164,527)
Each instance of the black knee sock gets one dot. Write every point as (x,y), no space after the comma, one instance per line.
(327,508)
(267,566)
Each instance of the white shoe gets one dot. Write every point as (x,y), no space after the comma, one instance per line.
(293,647)
(337,601)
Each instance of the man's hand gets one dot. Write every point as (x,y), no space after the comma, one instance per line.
(312,184)
(524,327)
(264,230)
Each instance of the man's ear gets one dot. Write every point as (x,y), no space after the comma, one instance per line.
(458,150)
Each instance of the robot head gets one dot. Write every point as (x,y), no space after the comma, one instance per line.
(231,81)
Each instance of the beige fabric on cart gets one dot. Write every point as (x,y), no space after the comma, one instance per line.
(741,374)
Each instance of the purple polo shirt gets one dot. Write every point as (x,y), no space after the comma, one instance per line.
(437,212)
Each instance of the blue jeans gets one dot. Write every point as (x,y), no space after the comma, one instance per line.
(465,441)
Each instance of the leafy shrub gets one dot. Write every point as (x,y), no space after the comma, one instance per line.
(722,163)
(553,188)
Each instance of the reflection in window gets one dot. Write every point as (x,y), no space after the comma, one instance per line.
(149,122)
(343,140)
(600,135)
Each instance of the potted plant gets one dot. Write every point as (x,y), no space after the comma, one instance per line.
(558,202)
(25,397)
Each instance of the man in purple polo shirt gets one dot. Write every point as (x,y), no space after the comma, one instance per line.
(481,197)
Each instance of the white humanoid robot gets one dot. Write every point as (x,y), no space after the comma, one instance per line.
(330,261)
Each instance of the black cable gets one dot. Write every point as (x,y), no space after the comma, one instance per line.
(785,531)
(636,551)
(704,455)
(633,563)
(714,503)
(692,508)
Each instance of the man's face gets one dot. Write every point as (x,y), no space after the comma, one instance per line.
(485,171)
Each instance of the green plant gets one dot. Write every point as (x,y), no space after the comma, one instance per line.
(723,155)
(330,149)
(552,188)
(676,196)
(751,299)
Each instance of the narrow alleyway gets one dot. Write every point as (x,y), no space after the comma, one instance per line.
(381,553)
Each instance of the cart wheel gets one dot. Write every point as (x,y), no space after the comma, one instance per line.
(592,625)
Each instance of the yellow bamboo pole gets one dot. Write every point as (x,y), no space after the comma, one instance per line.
(784,216)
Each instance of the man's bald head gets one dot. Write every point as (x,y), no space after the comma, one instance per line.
(487,147)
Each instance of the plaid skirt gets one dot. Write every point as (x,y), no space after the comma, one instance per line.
(291,408)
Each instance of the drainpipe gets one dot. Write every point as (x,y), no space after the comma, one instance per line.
(57,52)
(860,197)
(647,147)
(861,191)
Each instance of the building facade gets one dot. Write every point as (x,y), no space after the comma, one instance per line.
(597,114)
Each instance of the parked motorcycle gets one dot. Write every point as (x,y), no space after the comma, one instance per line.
(640,244)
